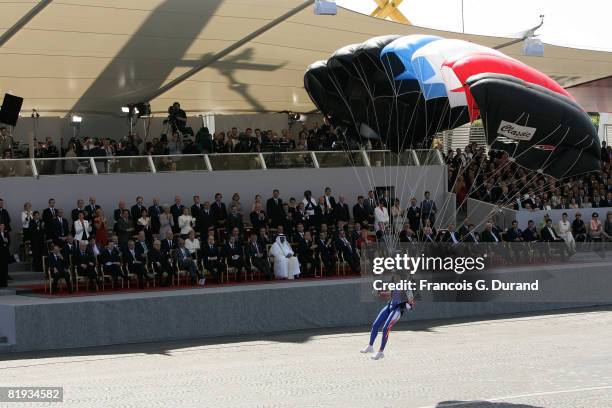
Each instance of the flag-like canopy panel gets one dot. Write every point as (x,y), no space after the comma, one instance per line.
(95,55)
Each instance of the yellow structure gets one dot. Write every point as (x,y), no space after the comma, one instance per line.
(388,9)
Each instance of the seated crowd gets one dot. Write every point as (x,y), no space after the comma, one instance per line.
(157,244)
(495,179)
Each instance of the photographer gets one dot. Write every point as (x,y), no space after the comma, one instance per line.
(177,118)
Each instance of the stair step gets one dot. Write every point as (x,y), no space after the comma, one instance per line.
(19,276)
(19,267)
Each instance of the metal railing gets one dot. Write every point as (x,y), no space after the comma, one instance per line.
(215,162)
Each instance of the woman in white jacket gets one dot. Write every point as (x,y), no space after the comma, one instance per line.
(82,229)
(185,223)
(565,231)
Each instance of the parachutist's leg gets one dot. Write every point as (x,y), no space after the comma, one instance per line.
(391,320)
(380,320)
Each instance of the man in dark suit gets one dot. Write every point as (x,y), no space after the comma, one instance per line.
(451,236)
(464,228)
(298,237)
(58,228)
(168,244)
(530,234)
(471,236)
(211,258)
(160,264)
(69,247)
(514,233)
(207,221)
(489,234)
(234,255)
(259,257)
(325,251)
(219,211)
(5,218)
(196,210)
(80,208)
(360,213)
(118,213)
(548,233)
(348,251)
(258,218)
(234,220)
(428,209)
(371,203)
(135,262)
(124,229)
(341,211)
(91,208)
(110,258)
(49,215)
(176,210)
(154,212)
(136,210)
(37,240)
(413,214)
(187,262)
(85,264)
(274,209)
(578,228)
(59,269)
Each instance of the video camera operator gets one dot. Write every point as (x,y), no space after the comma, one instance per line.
(177,118)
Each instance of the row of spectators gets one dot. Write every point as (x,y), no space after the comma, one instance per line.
(494,179)
(310,137)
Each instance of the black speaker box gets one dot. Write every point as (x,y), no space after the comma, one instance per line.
(11,106)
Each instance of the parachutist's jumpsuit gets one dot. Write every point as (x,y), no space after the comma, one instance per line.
(389,315)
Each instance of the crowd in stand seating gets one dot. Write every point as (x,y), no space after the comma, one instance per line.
(310,137)
(493,178)
(156,244)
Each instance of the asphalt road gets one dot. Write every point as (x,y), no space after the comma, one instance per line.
(557,360)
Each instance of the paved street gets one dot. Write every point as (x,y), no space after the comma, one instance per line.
(556,360)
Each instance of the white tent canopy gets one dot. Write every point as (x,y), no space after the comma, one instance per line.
(93,56)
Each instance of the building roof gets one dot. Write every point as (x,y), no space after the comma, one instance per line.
(93,56)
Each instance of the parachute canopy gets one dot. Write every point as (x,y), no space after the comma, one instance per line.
(404,90)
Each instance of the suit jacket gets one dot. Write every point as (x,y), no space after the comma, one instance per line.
(414,217)
(167,247)
(130,259)
(428,208)
(230,252)
(110,256)
(547,236)
(84,257)
(473,237)
(530,235)
(512,235)
(154,213)
(252,250)
(210,255)
(136,212)
(69,249)
(58,229)
(5,244)
(487,236)
(346,248)
(207,221)
(341,212)
(48,215)
(5,219)
(360,214)
(256,222)
(275,211)
(235,221)
(176,211)
(90,211)
(219,211)
(61,262)
(122,229)
(196,212)
(36,231)
(117,214)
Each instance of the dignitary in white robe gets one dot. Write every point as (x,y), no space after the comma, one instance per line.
(286,265)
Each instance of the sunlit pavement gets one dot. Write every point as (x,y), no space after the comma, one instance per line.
(557,360)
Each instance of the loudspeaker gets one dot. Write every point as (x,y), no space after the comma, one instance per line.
(11,106)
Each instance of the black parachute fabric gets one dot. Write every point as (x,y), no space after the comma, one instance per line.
(539,129)
(325,96)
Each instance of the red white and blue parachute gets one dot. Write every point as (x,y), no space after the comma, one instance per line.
(405,89)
